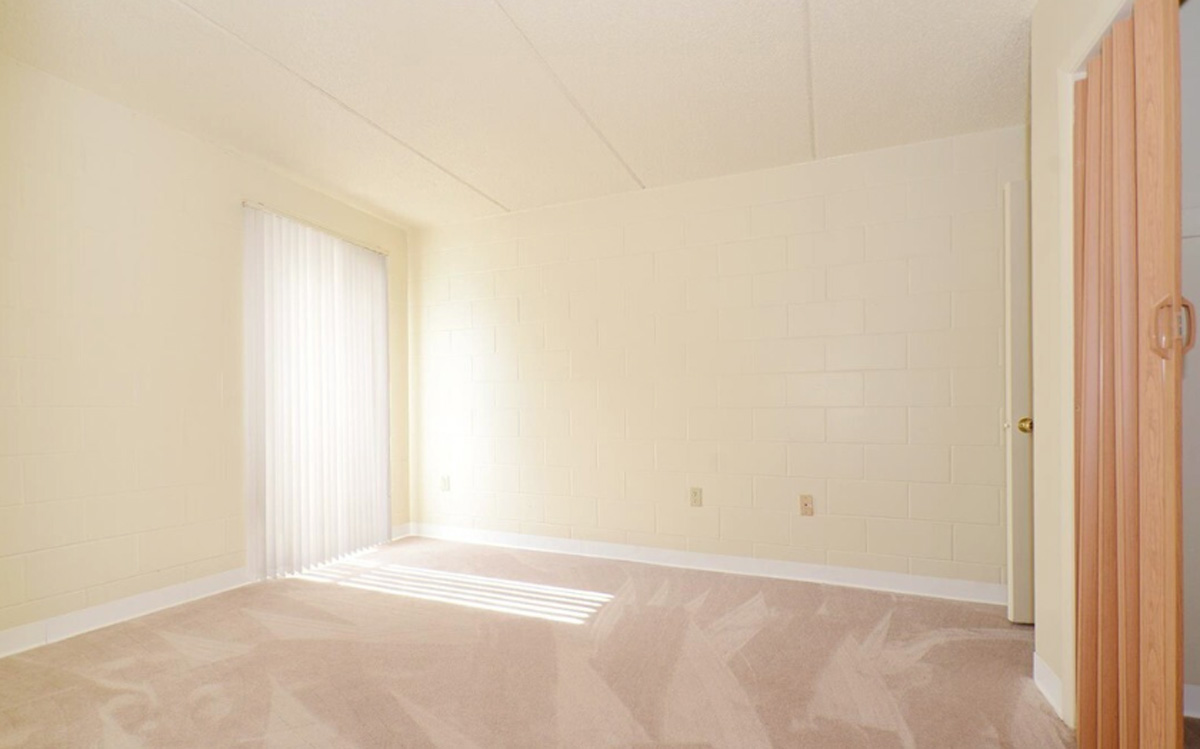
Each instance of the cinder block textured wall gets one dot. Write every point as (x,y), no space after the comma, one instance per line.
(121,347)
(832,329)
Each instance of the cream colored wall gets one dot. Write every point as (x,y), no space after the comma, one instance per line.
(120,346)
(1064,33)
(831,329)
(1189,30)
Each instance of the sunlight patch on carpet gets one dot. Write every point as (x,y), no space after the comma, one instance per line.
(566,605)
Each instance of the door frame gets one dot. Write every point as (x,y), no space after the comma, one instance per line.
(1018,401)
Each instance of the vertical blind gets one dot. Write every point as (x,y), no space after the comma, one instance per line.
(316,376)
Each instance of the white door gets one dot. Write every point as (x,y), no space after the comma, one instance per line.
(1018,403)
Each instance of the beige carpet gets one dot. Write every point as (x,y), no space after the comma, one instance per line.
(504,648)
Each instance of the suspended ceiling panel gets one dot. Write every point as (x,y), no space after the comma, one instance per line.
(683,89)
(887,72)
(453,78)
(447,110)
(160,57)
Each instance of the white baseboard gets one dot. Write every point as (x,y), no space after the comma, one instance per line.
(1051,687)
(36,634)
(401,531)
(892,582)
(1048,683)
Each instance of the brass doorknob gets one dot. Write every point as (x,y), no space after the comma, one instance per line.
(1025,425)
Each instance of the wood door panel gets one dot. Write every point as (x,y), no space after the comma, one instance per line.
(1156,72)
(1125,346)
(1088,449)
(1127,378)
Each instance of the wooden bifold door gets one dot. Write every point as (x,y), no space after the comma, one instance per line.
(1128,351)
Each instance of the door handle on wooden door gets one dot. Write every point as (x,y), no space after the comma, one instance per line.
(1164,328)
(1169,326)
(1188,319)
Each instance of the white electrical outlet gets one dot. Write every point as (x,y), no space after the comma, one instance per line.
(696,496)
(445,483)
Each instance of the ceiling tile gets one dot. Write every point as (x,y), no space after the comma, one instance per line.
(887,72)
(434,112)
(452,78)
(159,57)
(684,89)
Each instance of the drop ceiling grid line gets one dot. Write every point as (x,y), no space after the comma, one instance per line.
(812,91)
(327,94)
(566,92)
